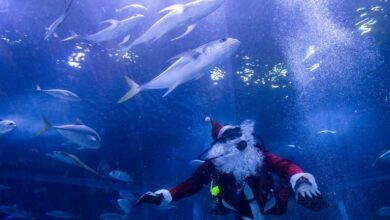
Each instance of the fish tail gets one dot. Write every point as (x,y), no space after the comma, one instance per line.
(38,88)
(134,90)
(46,126)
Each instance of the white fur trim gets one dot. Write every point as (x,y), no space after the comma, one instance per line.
(295,177)
(167,196)
(223,129)
(207,119)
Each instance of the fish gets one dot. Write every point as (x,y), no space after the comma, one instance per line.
(60,94)
(127,195)
(112,216)
(15,212)
(125,205)
(77,133)
(132,6)
(188,66)
(60,214)
(121,176)
(70,159)
(383,212)
(116,29)
(197,162)
(6,126)
(327,132)
(53,27)
(179,15)
(384,157)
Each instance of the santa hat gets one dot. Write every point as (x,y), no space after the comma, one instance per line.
(217,129)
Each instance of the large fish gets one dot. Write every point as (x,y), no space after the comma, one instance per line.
(77,133)
(70,159)
(179,15)
(189,66)
(6,126)
(125,205)
(53,27)
(117,29)
(60,94)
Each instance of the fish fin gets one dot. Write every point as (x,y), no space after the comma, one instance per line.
(190,53)
(134,90)
(187,32)
(112,22)
(55,35)
(177,7)
(92,138)
(46,126)
(38,88)
(71,37)
(125,40)
(79,122)
(171,89)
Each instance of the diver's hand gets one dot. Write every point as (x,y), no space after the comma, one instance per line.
(150,197)
(305,188)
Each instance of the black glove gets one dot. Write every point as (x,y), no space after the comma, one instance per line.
(308,195)
(151,198)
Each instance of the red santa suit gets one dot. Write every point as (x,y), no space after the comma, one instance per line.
(261,183)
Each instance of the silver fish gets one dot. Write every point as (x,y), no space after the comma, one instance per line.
(112,216)
(70,159)
(77,133)
(125,205)
(127,195)
(6,126)
(327,132)
(179,15)
(53,27)
(60,94)
(61,214)
(121,176)
(132,6)
(117,29)
(189,66)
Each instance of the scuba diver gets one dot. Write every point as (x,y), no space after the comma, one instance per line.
(238,169)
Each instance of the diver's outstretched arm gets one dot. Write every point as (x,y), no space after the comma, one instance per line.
(199,178)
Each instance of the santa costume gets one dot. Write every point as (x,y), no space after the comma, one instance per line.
(238,170)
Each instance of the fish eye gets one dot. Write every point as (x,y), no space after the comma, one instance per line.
(223,40)
(10,123)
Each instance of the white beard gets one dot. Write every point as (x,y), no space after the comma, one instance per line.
(241,164)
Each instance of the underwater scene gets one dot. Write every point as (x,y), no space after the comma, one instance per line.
(202,109)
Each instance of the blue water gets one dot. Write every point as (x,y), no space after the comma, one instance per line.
(302,67)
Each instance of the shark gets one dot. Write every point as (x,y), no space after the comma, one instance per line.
(116,29)
(188,66)
(53,27)
(179,15)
